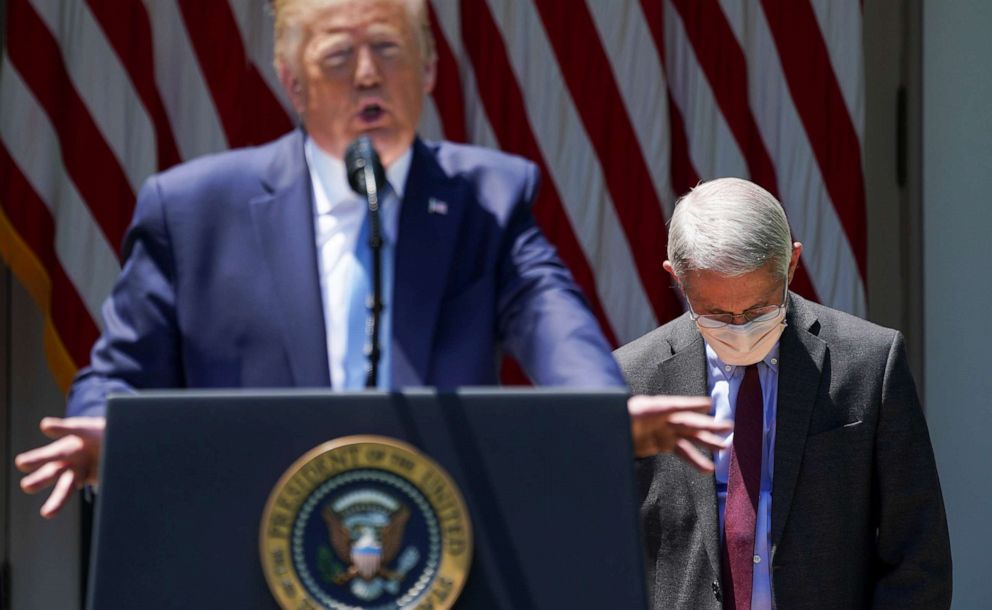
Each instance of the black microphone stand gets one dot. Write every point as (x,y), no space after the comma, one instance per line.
(365,176)
(375,305)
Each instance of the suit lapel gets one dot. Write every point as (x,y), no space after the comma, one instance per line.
(424,250)
(682,369)
(283,220)
(802,354)
(684,374)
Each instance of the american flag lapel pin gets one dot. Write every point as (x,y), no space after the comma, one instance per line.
(436,206)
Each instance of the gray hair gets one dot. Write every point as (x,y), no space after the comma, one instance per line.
(730,226)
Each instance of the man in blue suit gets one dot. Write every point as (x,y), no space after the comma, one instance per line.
(241,268)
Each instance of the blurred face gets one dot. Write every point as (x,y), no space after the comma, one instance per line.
(359,69)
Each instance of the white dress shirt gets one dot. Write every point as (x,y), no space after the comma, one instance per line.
(339,213)
(723,382)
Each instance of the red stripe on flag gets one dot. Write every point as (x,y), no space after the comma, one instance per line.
(590,80)
(247,108)
(684,174)
(504,103)
(447,93)
(33,222)
(723,63)
(654,16)
(126,26)
(87,157)
(820,104)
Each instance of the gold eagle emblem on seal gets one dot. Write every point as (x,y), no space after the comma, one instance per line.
(365,522)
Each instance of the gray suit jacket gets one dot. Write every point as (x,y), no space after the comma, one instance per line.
(857,515)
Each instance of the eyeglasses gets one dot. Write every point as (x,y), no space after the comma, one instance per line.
(755,314)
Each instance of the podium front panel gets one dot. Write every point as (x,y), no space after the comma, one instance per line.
(547,476)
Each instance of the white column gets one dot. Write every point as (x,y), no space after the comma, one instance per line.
(957,226)
(44,555)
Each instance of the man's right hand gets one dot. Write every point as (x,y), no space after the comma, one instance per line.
(676,424)
(69,462)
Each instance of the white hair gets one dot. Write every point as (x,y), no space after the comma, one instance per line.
(730,226)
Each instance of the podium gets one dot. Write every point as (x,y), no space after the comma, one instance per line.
(547,479)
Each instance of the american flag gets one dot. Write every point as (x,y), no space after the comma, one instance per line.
(624,105)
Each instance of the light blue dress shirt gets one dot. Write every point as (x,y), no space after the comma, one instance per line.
(344,263)
(723,381)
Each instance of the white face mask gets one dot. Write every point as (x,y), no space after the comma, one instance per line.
(744,344)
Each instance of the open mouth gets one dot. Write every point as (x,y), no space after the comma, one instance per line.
(371,113)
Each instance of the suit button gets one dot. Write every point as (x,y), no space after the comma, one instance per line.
(716,591)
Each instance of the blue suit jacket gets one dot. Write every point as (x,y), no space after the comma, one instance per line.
(220,288)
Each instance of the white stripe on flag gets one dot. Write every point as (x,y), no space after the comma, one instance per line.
(255,23)
(829,259)
(712,147)
(192,114)
(636,66)
(103,84)
(477,127)
(84,254)
(575,169)
(840,23)
(736,12)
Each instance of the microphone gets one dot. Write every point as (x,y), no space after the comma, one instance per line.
(365,173)
(367,177)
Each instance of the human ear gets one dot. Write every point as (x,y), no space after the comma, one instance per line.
(430,74)
(797,250)
(292,86)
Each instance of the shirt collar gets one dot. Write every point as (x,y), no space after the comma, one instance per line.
(397,173)
(720,369)
(331,173)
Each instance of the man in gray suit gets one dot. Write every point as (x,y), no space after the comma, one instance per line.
(827,496)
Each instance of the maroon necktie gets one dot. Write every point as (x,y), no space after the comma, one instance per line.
(743,482)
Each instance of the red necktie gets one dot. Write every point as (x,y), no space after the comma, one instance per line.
(743,483)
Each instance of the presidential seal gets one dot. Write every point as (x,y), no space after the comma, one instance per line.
(365,522)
